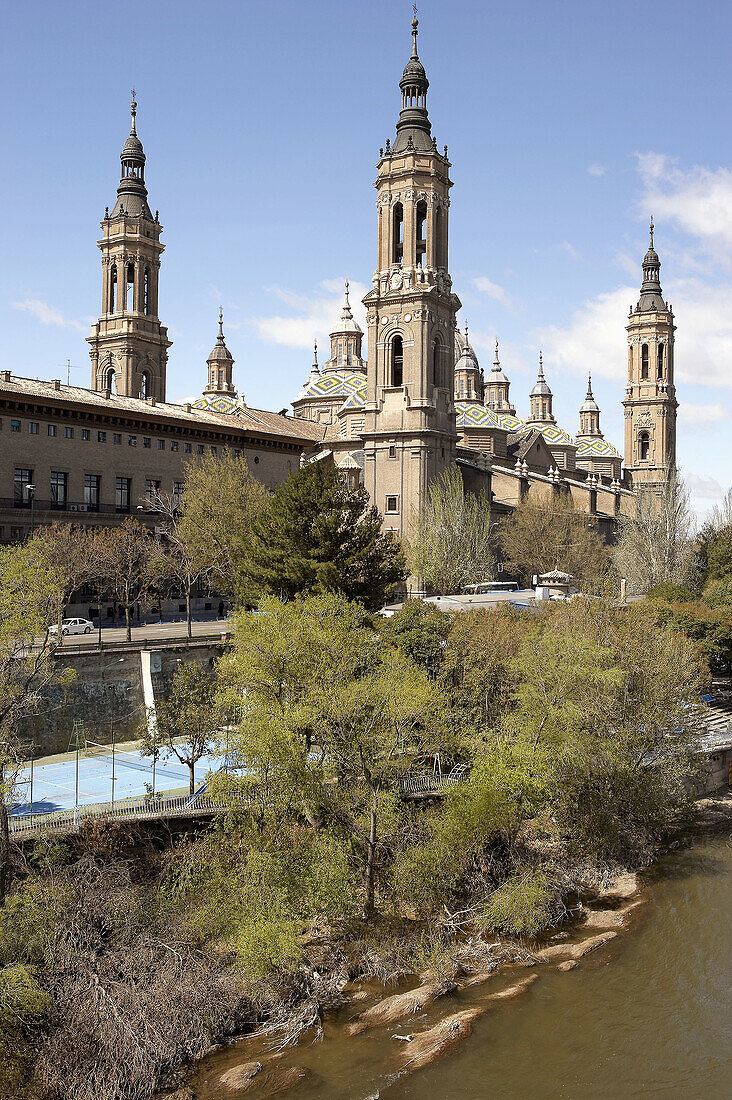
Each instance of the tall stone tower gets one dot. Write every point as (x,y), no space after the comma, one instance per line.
(650,398)
(128,345)
(410,435)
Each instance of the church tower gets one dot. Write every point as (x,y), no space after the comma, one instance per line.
(220,364)
(650,398)
(128,345)
(541,399)
(497,389)
(589,416)
(468,375)
(345,343)
(410,435)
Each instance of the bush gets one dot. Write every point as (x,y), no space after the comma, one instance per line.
(522,905)
(672,593)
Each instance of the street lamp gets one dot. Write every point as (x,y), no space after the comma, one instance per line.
(31,491)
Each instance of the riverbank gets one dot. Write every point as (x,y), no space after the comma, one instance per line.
(424,1019)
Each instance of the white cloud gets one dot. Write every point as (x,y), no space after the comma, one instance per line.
(703,488)
(596,169)
(311,316)
(492,290)
(691,415)
(47,315)
(594,339)
(571,251)
(697,199)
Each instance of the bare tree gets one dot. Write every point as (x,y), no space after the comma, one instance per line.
(126,558)
(450,544)
(70,549)
(543,535)
(178,558)
(655,544)
(187,723)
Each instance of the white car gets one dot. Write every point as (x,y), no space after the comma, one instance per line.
(73,626)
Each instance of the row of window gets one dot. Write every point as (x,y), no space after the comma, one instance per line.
(645,361)
(117,437)
(25,491)
(396,362)
(420,235)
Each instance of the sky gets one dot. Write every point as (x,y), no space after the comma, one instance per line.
(568,124)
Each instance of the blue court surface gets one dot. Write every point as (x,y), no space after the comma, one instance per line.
(55,786)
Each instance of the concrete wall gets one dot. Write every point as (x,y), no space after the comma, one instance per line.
(106,694)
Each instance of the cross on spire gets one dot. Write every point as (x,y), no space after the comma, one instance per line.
(415,24)
(133,112)
(651,228)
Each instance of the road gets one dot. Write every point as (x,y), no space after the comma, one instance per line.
(150,632)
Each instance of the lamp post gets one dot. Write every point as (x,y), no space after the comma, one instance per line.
(31,491)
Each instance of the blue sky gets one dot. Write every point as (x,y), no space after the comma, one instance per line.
(567,125)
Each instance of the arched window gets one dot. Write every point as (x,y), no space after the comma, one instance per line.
(397,233)
(340,351)
(630,362)
(644,362)
(130,287)
(397,361)
(146,292)
(438,247)
(112,288)
(109,380)
(659,370)
(145,384)
(436,363)
(349,354)
(644,446)
(420,251)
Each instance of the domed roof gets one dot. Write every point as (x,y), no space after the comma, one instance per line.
(414,69)
(220,351)
(220,403)
(589,405)
(541,389)
(552,434)
(348,324)
(596,448)
(337,383)
(471,414)
(132,149)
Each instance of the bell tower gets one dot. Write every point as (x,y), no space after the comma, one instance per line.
(128,345)
(650,397)
(410,435)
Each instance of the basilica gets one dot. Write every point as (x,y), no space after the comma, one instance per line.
(391,418)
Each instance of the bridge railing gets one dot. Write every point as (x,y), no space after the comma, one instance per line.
(426,782)
(65,821)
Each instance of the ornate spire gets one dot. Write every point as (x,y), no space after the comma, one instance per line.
(414,132)
(415,32)
(132,192)
(541,388)
(651,228)
(651,296)
(315,369)
(497,361)
(220,364)
(133,112)
(346,315)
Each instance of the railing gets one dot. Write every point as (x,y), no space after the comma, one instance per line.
(69,821)
(427,782)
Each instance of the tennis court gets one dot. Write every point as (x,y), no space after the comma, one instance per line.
(101,775)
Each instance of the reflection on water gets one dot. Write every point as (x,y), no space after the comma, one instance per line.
(646,1016)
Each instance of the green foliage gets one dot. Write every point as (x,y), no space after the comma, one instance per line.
(419,630)
(540,536)
(23,1004)
(671,593)
(479,663)
(709,626)
(522,905)
(718,593)
(187,722)
(318,535)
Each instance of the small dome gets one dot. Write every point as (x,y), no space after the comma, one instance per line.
(414,73)
(220,351)
(132,149)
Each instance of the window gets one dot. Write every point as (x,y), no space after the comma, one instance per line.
(392,504)
(397,361)
(116,437)
(644,446)
(85,433)
(397,230)
(392,451)
(152,488)
(214,450)
(644,362)
(146,441)
(439,245)
(421,240)
(659,369)
(131,440)
(122,494)
(59,486)
(174,444)
(436,363)
(112,287)
(16,533)
(200,448)
(92,483)
(51,429)
(178,489)
(188,447)
(22,479)
(340,351)
(68,433)
(146,291)
(101,437)
(15,425)
(33,427)
(145,383)
(161,444)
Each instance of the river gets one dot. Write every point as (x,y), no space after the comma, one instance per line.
(647,1015)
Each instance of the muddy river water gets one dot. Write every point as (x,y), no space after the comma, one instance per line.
(646,1015)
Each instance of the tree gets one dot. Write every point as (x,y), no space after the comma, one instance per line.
(655,544)
(126,559)
(221,498)
(71,550)
(331,719)
(178,559)
(450,545)
(32,589)
(187,723)
(319,535)
(539,537)
(419,630)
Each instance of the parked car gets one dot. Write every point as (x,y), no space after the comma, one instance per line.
(73,626)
